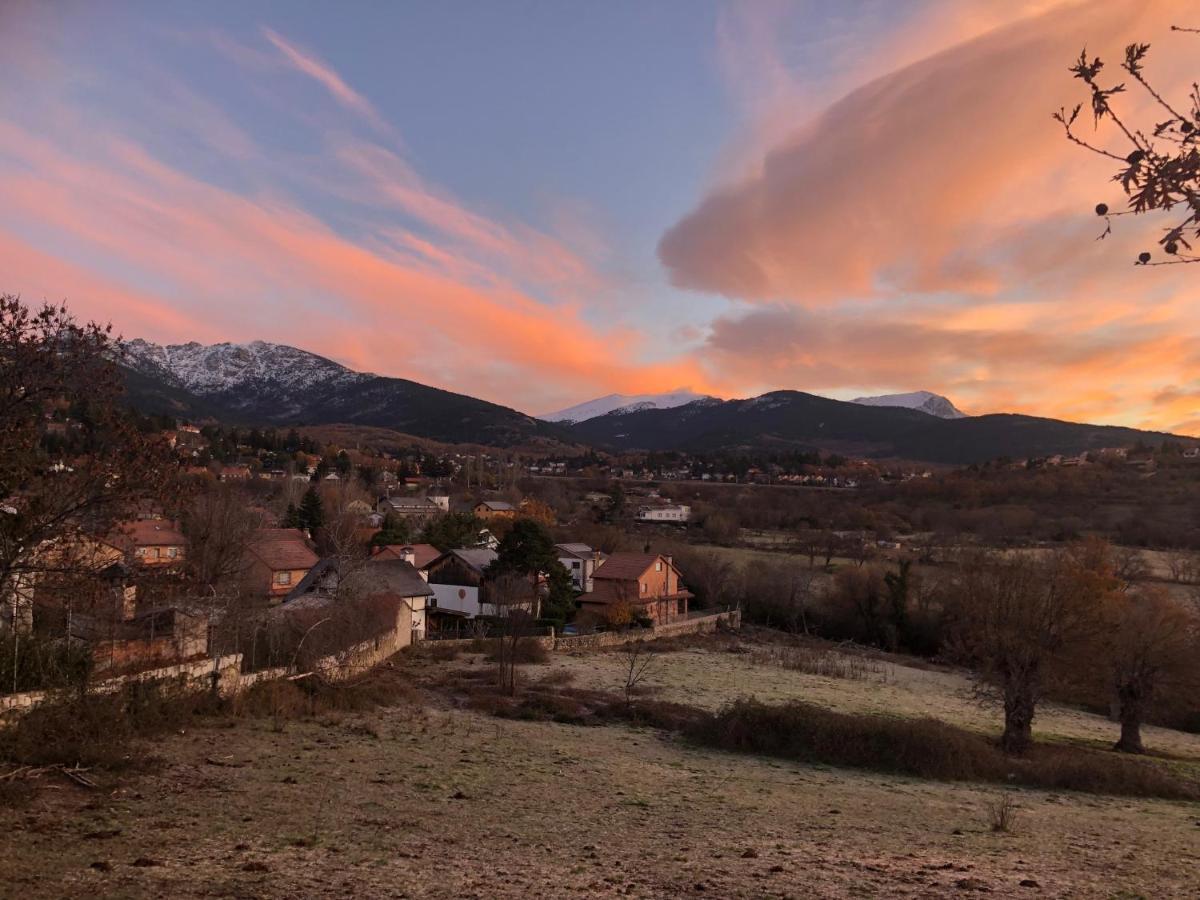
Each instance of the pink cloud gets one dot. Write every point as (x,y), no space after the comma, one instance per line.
(308,64)
(931,228)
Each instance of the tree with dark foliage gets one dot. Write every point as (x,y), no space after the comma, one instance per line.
(528,550)
(1021,623)
(1153,658)
(54,370)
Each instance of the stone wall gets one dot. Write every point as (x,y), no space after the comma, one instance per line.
(731,619)
(225,672)
(197,675)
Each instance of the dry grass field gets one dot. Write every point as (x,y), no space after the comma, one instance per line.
(425,799)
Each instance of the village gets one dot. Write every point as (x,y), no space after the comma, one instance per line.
(317,541)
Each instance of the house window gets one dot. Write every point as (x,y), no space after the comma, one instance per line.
(172,552)
(575,564)
(658,566)
(283,577)
(139,551)
(643,584)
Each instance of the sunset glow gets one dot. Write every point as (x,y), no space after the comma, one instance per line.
(540,207)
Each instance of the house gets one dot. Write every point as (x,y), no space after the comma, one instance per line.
(581,561)
(420,555)
(495,509)
(393,578)
(409,507)
(277,560)
(151,542)
(36,582)
(639,585)
(677,514)
(234,473)
(440,499)
(459,587)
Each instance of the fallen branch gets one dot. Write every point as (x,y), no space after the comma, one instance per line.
(28,773)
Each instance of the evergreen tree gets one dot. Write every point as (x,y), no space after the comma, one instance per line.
(528,550)
(452,531)
(395,530)
(312,513)
(291,518)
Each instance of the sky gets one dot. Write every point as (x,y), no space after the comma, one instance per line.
(537,203)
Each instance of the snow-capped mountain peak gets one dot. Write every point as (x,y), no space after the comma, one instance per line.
(923,401)
(217,368)
(622,403)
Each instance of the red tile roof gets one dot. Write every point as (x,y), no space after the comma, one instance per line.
(283,548)
(626,566)
(423,553)
(147,533)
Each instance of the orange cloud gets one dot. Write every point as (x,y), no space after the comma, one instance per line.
(275,271)
(930,228)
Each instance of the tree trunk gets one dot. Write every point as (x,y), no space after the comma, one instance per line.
(1131,725)
(1018,720)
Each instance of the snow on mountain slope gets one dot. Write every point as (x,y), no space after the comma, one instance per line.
(218,368)
(602,406)
(924,401)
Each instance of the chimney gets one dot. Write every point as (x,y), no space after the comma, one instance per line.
(409,555)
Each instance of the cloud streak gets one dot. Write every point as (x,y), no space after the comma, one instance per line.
(320,72)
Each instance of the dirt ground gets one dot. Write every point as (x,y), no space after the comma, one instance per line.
(434,801)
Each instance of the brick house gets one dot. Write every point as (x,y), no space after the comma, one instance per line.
(640,585)
(277,559)
(151,542)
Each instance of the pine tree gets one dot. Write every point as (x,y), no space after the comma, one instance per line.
(312,514)
(291,518)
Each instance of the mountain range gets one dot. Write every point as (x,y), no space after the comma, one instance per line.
(792,420)
(262,383)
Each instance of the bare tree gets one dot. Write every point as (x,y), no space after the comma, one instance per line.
(510,596)
(218,527)
(1017,621)
(1129,565)
(1152,655)
(1182,566)
(638,662)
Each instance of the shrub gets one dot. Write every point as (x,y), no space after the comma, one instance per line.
(1002,813)
(99,731)
(525,650)
(818,661)
(925,748)
(441,651)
